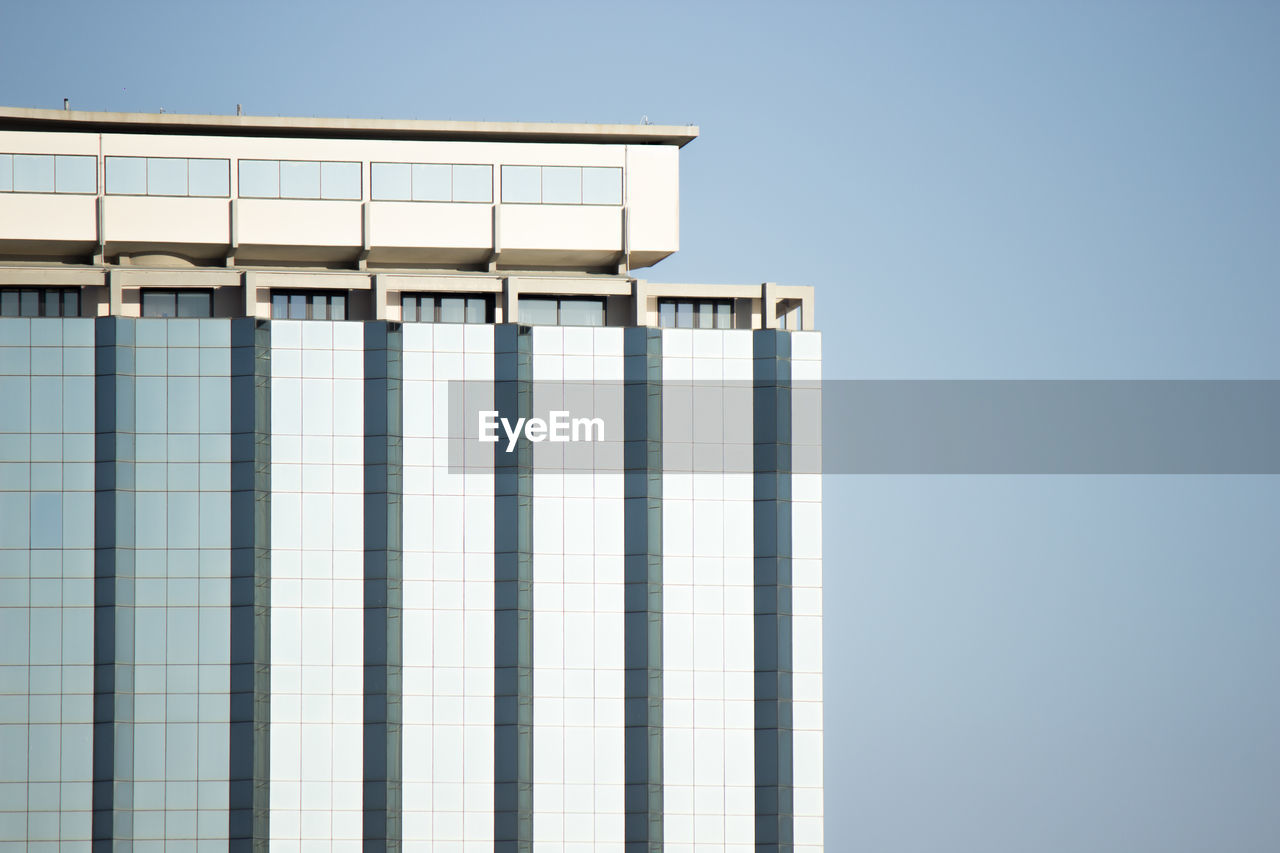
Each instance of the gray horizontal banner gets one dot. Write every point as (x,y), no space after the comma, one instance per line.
(889,427)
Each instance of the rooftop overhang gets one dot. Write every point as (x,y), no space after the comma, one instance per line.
(17,118)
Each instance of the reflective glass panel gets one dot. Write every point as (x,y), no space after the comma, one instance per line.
(684,315)
(522,184)
(408,308)
(538,310)
(561,185)
(279,306)
(667,314)
(338,307)
(601,185)
(259,178)
(582,312)
(297,306)
(33,173)
(30,303)
(432,182)
(209,177)
(52,303)
(473,183)
(195,303)
(6,172)
(392,181)
(166,176)
(159,303)
(724,316)
(319,308)
(340,180)
(705,315)
(76,174)
(9,303)
(127,175)
(299,179)
(476,310)
(451,309)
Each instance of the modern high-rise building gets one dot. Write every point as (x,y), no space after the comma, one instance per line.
(264,582)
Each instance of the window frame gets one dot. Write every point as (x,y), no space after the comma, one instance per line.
(280,160)
(436,295)
(622,186)
(146,178)
(560,300)
(42,294)
(695,303)
(311,296)
(176,291)
(452,183)
(97,176)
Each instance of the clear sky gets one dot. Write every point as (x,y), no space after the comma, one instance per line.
(1028,190)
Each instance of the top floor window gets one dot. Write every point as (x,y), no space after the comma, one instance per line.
(311,179)
(309,304)
(561,185)
(446,308)
(562,310)
(169,176)
(695,313)
(182,302)
(431,182)
(39,302)
(48,173)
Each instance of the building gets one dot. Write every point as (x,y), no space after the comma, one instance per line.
(261,585)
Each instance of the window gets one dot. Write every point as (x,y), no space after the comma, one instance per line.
(696,313)
(431,182)
(312,179)
(39,302)
(562,310)
(446,308)
(309,304)
(169,176)
(561,185)
(177,303)
(48,173)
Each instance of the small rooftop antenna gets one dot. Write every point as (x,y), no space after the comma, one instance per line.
(644,119)
(238,110)
(66,103)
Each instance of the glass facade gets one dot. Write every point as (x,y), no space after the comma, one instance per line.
(246,600)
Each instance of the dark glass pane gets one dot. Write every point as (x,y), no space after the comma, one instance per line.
(338,306)
(476,310)
(71,303)
(30,303)
(667,314)
(452,309)
(297,306)
(684,315)
(9,303)
(279,305)
(724,316)
(319,307)
(52,306)
(705,319)
(408,309)
(195,303)
(159,303)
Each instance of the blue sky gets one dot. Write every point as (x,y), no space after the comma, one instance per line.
(977,190)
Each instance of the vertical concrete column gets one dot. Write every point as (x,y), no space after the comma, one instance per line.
(510,300)
(639,302)
(769,305)
(379,296)
(115,293)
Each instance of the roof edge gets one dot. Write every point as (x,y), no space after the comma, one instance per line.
(21,118)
